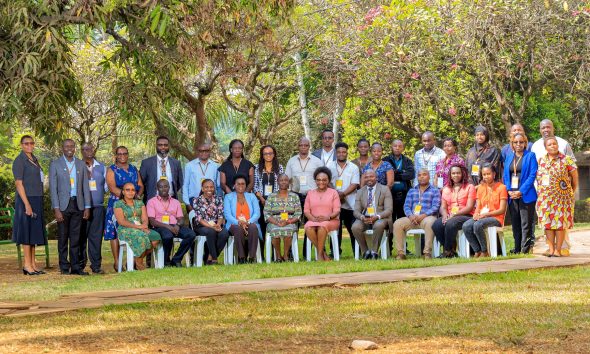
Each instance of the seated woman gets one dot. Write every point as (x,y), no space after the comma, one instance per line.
(241,211)
(209,220)
(457,202)
(492,199)
(132,221)
(282,212)
(322,208)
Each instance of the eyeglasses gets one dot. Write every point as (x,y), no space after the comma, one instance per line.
(518,142)
(328,138)
(122,153)
(29,143)
(268,153)
(129,190)
(303,145)
(204,150)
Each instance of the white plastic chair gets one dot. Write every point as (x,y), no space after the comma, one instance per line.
(294,247)
(334,237)
(417,234)
(200,241)
(492,235)
(230,256)
(383,248)
(157,256)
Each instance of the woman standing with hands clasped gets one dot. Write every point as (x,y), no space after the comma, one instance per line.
(28,226)
(520,171)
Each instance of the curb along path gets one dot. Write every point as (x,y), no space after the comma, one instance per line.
(581,256)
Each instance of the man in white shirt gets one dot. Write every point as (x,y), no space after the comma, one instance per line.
(548,130)
(196,171)
(428,156)
(327,152)
(345,179)
(300,169)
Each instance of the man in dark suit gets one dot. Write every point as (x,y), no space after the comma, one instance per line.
(70,199)
(372,210)
(160,167)
(326,153)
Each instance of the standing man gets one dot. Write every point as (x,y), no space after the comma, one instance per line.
(547,131)
(428,156)
(196,171)
(345,179)
(165,216)
(364,158)
(515,129)
(421,208)
(326,153)
(70,199)
(93,227)
(160,167)
(372,209)
(301,168)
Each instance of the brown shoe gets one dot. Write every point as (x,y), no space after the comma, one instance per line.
(400,256)
(427,256)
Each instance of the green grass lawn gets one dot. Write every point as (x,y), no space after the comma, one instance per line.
(541,311)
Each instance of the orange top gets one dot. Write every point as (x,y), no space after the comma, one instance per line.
(490,197)
(242,210)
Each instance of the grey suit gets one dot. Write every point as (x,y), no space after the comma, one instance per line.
(383,207)
(72,209)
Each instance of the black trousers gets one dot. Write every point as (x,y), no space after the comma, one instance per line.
(215,240)
(91,239)
(68,233)
(346,219)
(446,233)
(262,224)
(523,216)
(188,238)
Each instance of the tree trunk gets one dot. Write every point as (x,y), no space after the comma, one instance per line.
(302,96)
(338,109)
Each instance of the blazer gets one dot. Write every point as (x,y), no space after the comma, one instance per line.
(59,184)
(149,176)
(528,174)
(383,201)
(318,153)
(230,203)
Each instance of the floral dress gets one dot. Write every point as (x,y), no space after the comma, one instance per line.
(381,171)
(121,177)
(207,209)
(555,202)
(138,240)
(275,206)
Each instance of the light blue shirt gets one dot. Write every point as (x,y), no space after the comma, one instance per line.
(71,166)
(194,172)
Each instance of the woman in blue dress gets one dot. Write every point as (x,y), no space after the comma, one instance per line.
(117,175)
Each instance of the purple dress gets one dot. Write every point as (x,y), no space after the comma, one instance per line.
(121,177)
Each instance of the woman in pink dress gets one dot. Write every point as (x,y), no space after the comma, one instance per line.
(322,208)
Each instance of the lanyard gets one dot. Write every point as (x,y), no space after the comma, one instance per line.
(515,163)
(478,156)
(34,161)
(306,163)
(329,156)
(206,167)
(456,194)
(72,168)
(426,162)
(338,169)
(167,206)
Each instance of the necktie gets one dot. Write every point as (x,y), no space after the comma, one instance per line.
(370,201)
(163,167)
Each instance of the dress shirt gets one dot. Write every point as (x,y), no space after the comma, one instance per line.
(297,167)
(562,144)
(428,160)
(349,175)
(157,207)
(429,200)
(327,156)
(168,171)
(71,169)
(194,172)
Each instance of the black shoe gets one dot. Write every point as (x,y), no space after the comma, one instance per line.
(64,272)
(241,260)
(79,272)
(367,255)
(40,272)
(251,260)
(98,271)
(26,272)
(176,264)
(374,255)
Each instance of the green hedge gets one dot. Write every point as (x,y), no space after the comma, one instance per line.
(582,211)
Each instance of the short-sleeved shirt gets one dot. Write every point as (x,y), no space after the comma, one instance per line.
(29,172)
(490,197)
(348,175)
(303,170)
(157,207)
(458,199)
(381,171)
(227,167)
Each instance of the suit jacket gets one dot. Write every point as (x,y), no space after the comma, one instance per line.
(528,174)
(149,176)
(383,203)
(59,184)
(230,203)
(318,153)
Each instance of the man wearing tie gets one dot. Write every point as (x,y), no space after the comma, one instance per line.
(160,167)
(372,209)
(70,199)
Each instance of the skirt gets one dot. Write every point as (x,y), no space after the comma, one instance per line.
(28,230)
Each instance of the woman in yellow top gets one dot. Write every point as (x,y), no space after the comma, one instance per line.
(491,200)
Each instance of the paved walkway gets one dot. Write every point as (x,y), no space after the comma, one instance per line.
(580,256)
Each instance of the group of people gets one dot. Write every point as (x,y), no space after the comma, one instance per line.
(439,192)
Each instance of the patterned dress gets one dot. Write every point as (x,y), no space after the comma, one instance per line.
(138,240)
(381,171)
(275,206)
(555,203)
(121,177)
(443,168)
(208,209)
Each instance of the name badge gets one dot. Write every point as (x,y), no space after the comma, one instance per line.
(475,170)
(440,182)
(397,182)
(211,223)
(303,180)
(137,222)
(339,183)
(166,219)
(454,210)
(371,211)
(163,177)
(514,181)
(545,180)
(484,210)
(267,189)
(284,216)
(72,183)
(417,209)
(92,185)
